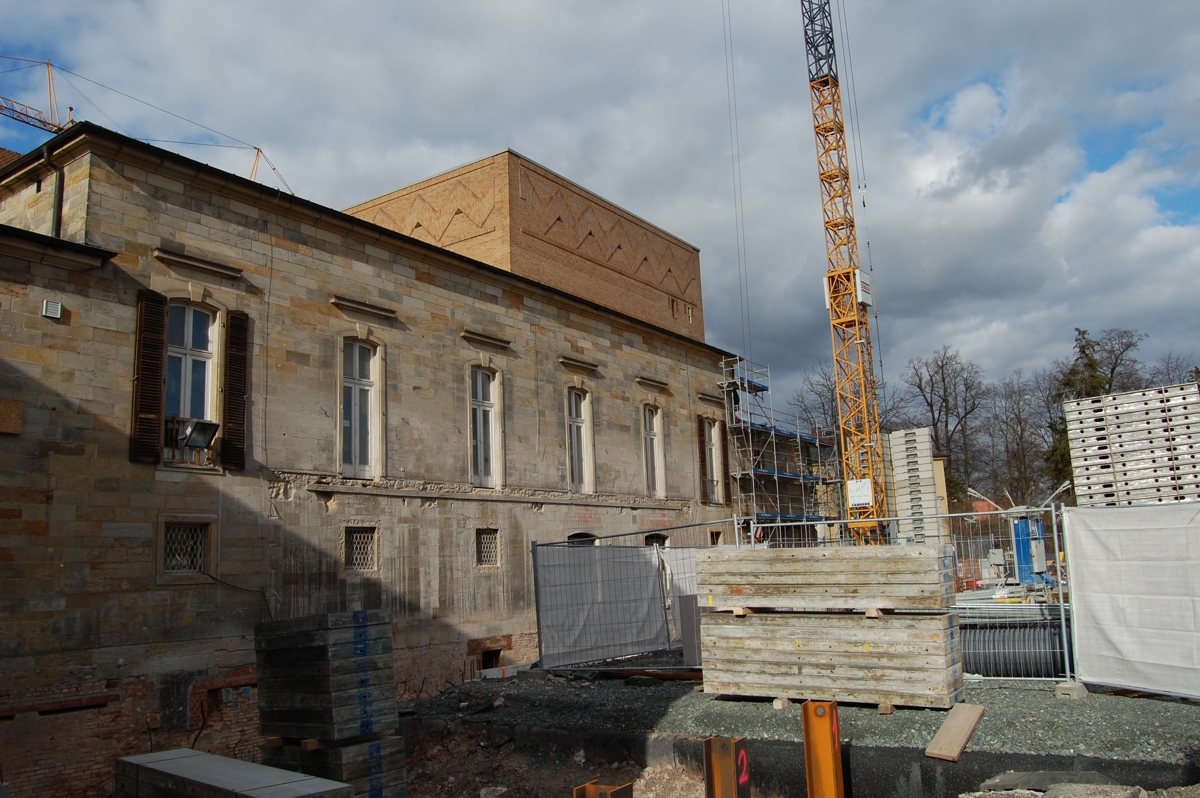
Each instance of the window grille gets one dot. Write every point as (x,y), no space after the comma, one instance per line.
(487,547)
(361,549)
(184,548)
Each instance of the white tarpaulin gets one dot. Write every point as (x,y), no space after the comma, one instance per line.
(1135,595)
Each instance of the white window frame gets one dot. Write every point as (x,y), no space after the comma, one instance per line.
(580,440)
(188,355)
(489,441)
(348,433)
(713,462)
(653,458)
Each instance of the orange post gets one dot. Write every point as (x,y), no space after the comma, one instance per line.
(594,789)
(822,750)
(726,768)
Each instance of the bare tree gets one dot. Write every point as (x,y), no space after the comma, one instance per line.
(1114,352)
(948,393)
(1017,436)
(816,401)
(1173,369)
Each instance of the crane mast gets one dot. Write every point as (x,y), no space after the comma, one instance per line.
(848,291)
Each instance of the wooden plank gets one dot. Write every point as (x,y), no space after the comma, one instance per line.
(881,577)
(281,668)
(955,732)
(903,660)
(323,637)
(327,700)
(331,620)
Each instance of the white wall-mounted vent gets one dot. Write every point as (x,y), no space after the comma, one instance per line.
(51,309)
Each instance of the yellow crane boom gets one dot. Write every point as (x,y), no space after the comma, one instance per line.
(848,292)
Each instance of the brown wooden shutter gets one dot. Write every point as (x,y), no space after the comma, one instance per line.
(722,428)
(149,363)
(704,497)
(237,344)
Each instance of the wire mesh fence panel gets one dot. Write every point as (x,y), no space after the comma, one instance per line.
(622,595)
(598,602)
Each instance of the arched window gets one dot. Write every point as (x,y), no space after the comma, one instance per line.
(581,539)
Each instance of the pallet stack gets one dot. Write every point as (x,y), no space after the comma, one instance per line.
(865,624)
(327,700)
(913,488)
(1139,447)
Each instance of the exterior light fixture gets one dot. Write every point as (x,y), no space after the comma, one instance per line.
(199,434)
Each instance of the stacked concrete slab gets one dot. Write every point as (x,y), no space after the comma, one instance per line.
(327,700)
(1138,447)
(914,487)
(184,773)
(866,624)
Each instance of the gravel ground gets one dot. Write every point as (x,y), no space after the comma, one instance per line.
(1021,717)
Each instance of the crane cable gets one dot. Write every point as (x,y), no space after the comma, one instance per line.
(736,163)
(860,164)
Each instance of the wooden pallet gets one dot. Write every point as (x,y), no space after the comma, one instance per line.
(827,577)
(903,660)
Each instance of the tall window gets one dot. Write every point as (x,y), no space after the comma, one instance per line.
(358,391)
(483,428)
(176,361)
(189,379)
(577,441)
(709,463)
(652,451)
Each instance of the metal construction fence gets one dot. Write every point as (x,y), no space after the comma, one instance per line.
(606,598)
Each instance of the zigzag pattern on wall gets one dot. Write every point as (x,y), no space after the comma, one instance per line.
(626,247)
(436,221)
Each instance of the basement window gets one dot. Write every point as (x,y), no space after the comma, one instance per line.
(487,548)
(362,550)
(489,659)
(184,549)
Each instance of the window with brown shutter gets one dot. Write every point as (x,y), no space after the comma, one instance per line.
(237,343)
(146,427)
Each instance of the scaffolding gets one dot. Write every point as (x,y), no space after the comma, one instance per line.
(779,472)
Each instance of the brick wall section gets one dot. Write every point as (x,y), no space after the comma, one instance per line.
(80,601)
(514,214)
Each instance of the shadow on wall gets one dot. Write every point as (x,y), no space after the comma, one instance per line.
(105,650)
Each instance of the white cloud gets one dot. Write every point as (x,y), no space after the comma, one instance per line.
(993,227)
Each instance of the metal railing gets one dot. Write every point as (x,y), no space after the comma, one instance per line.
(621,595)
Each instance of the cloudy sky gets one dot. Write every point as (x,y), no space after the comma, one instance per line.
(1031,166)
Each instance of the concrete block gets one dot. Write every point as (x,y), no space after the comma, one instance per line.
(1070,690)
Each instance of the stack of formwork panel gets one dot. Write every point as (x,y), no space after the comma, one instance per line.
(868,624)
(1137,447)
(914,487)
(327,700)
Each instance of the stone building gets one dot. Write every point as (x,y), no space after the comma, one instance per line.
(220,404)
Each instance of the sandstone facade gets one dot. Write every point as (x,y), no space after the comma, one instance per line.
(107,645)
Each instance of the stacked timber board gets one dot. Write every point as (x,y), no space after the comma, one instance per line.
(327,699)
(827,577)
(793,623)
(1138,447)
(184,773)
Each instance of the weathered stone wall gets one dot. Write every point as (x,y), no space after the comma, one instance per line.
(80,600)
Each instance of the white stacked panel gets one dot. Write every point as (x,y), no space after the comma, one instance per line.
(913,483)
(1139,447)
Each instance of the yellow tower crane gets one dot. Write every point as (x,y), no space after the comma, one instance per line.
(848,291)
(46,120)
